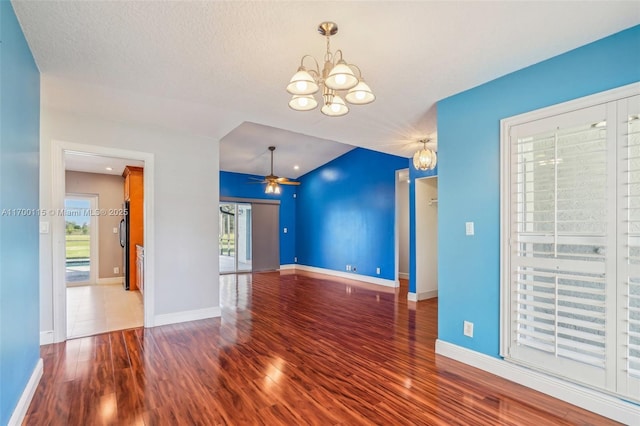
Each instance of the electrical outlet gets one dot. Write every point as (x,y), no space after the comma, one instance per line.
(378,270)
(116,270)
(295,260)
(348,268)
(285,230)
(468,329)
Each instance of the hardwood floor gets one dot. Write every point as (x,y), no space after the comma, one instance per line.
(289,349)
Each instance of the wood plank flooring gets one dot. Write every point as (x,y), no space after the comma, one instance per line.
(289,349)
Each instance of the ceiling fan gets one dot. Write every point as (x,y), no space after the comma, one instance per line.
(273,182)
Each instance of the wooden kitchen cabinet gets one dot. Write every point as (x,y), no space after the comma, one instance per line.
(134,194)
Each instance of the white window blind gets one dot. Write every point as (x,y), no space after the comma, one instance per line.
(572,245)
(629,247)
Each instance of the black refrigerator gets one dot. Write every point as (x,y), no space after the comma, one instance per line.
(124,242)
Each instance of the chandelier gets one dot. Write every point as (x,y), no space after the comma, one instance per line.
(425,158)
(336,78)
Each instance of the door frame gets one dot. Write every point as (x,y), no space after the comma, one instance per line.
(58,149)
(421,203)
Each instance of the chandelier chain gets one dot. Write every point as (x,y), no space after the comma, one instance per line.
(327,56)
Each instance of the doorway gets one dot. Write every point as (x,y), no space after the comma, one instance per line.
(235,237)
(402,224)
(64,307)
(248,235)
(426,190)
(81,239)
(96,299)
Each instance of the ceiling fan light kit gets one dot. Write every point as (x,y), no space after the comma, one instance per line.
(272,188)
(425,158)
(336,78)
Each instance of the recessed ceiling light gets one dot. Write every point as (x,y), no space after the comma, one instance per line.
(296,167)
(109,168)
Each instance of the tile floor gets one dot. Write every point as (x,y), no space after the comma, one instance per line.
(95,309)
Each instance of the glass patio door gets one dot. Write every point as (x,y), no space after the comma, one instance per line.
(234,237)
(80,247)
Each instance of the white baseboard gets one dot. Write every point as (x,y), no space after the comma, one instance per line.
(355,277)
(414,297)
(27,395)
(195,315)
(424,295)
(46,337)
(111,280)
(288,267)
(403,275)
(589,399)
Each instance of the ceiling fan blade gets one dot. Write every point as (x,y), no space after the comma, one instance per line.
(286,181)
(271,178)
(255,178)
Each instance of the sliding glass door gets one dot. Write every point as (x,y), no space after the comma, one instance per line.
(234,237)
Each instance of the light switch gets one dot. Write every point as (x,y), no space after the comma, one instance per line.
(44,227)
(115,230)
(285,230)
(469,228)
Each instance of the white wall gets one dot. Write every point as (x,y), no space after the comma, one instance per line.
(426,238)
(186,185)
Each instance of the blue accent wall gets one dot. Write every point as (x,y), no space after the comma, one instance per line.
(19,189)
(346,214)
(238,185)
(469,174)
(413,258)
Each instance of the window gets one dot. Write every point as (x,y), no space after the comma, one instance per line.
(571,241)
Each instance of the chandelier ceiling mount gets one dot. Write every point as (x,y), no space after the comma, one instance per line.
(328,28)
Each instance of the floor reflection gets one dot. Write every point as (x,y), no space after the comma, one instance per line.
(288,349)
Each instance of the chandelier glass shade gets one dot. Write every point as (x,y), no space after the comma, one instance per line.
(425,158)
(337,82)
(303,102)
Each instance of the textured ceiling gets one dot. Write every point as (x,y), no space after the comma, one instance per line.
(208,67)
